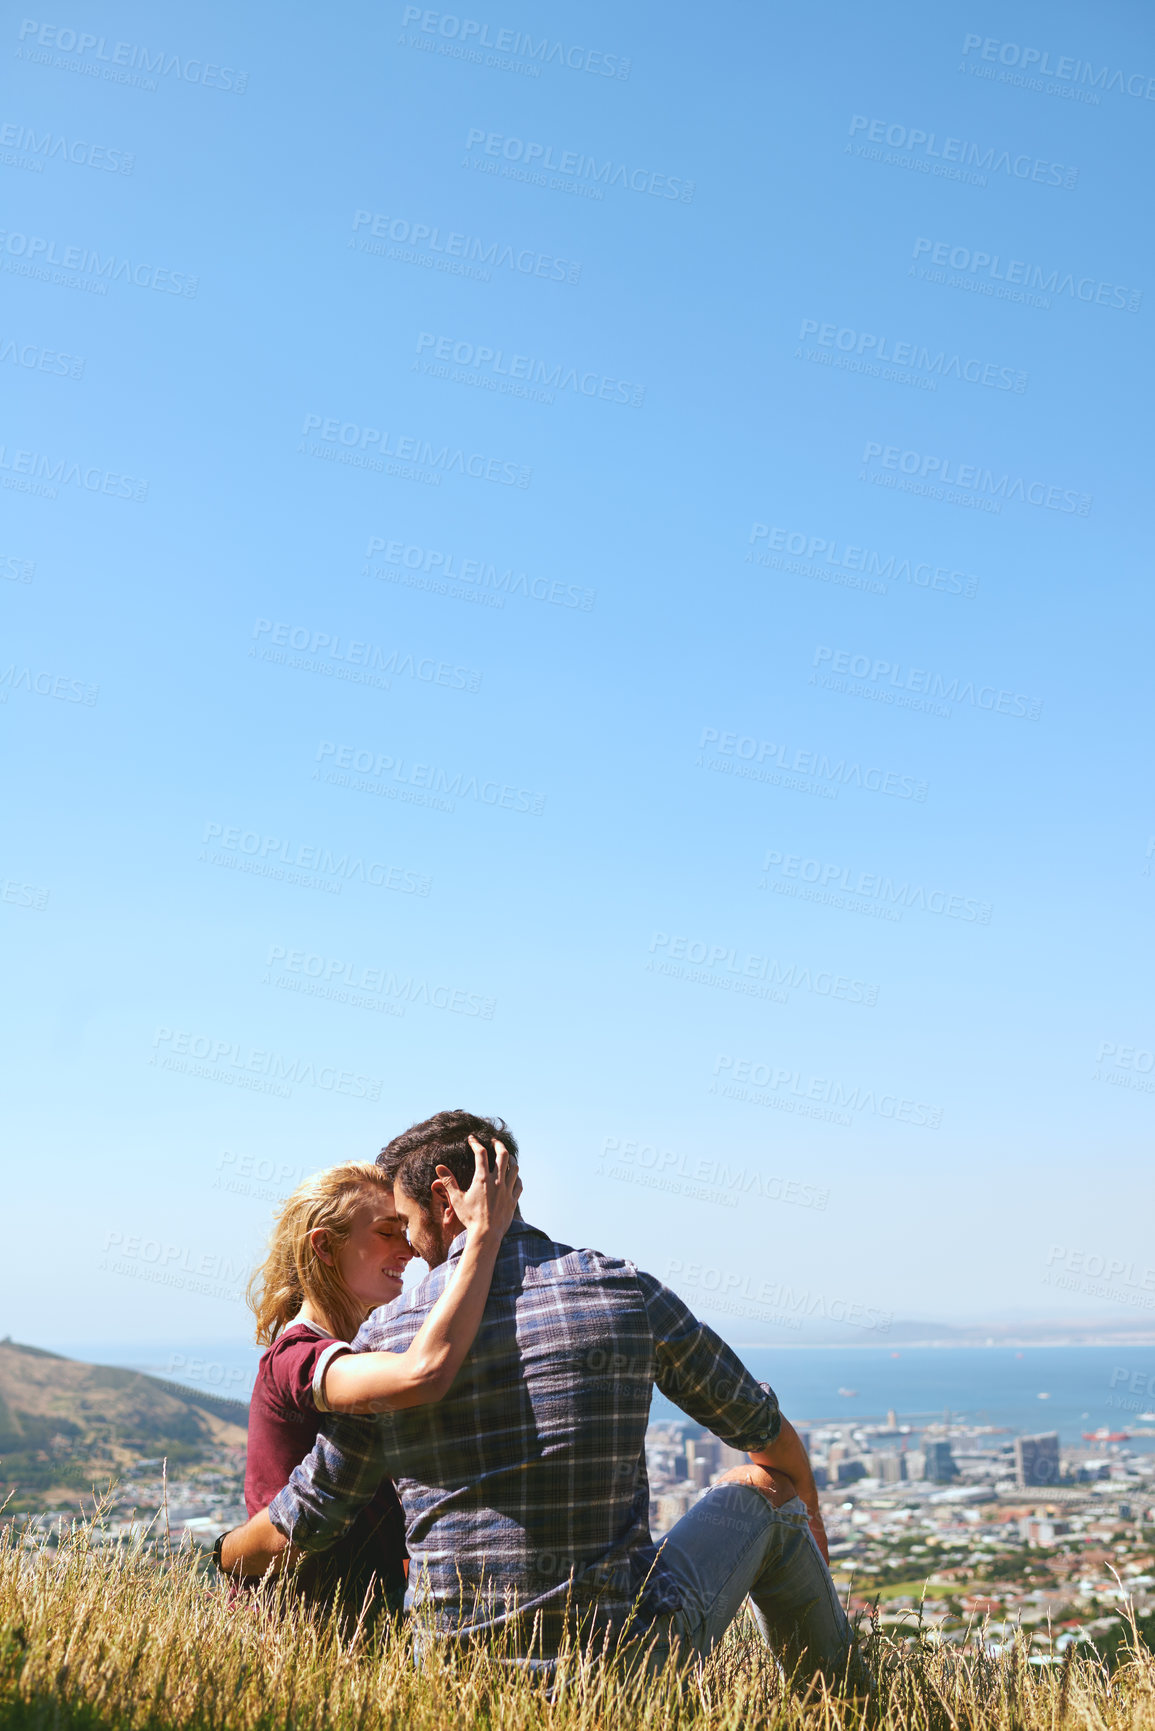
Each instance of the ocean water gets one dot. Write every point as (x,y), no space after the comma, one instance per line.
(1086,1387)
(226,1369)
(1070,1389)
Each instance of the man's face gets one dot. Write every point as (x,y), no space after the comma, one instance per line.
(430,1230)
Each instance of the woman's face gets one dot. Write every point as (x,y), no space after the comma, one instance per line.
(372,1259)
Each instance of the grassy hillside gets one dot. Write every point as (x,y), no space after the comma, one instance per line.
(99,1640)
(65,1425)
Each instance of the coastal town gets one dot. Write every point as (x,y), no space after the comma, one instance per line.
(952,1532)
(151,1509)
(957,1532)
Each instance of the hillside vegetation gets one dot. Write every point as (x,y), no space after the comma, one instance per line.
(96,1638)
(66,1425)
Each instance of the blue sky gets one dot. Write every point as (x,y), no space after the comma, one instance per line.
(635,623)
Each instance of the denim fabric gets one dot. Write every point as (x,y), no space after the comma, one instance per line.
(735,1544)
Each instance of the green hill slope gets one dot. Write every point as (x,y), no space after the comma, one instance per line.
(65,1426)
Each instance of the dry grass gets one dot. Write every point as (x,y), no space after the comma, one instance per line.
(92,1638)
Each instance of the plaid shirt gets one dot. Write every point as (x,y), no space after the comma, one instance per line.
(525,1489)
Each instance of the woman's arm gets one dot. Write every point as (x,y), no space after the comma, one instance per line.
(389,1381)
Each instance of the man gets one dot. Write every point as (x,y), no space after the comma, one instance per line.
(525,1489)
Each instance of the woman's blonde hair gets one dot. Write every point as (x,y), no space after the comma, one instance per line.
(293,1272)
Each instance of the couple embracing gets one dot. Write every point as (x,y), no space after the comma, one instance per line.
(491,1423)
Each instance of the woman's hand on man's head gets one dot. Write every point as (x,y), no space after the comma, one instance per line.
(490,1203)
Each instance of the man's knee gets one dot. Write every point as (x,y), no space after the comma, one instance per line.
(772,1484)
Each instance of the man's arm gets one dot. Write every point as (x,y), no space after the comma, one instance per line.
(321,1500)
(326,1492)
(333,1483)
(787,1455)
(254,1549)
(705,1377)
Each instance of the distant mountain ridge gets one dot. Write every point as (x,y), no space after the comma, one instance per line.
(65,1426)
(903,1331)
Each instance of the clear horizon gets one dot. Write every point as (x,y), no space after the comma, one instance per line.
(1080,1390)
(1117,1334)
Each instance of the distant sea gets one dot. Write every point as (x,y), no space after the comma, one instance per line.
(1030,1388)
(1085,1387)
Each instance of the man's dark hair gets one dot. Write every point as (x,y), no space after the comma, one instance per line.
(412,1158)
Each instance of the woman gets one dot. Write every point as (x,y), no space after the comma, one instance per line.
(337,1252)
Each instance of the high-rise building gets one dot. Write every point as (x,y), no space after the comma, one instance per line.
(1037,1459)
(888,1468)
(705,1452)
(939,1462)
(915,1464)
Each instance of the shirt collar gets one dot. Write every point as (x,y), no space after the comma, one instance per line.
(517,1228)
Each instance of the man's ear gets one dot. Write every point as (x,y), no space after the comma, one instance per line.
(440,1205)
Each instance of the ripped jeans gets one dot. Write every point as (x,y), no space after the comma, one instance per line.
(734,1544)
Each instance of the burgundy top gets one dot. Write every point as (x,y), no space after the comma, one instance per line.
(283,1426)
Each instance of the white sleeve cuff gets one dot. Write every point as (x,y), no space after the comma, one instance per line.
(330,1353)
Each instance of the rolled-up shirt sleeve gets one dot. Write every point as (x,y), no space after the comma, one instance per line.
(705,1377)
(333,1482)
(335,1349)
